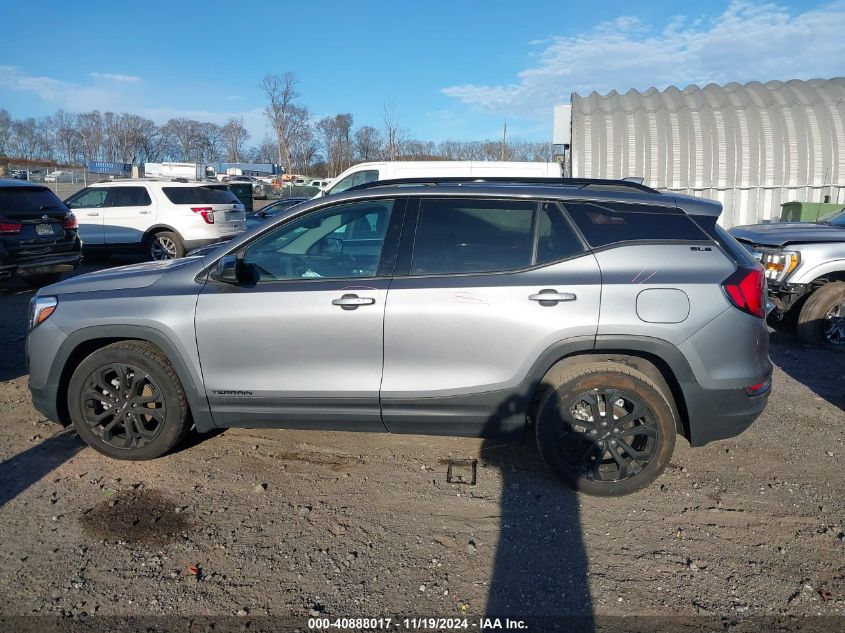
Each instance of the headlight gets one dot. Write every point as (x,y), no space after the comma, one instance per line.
(40,308)
(778,264)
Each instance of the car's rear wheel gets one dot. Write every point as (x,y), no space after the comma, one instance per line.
(126,401)
(165,245)
(822,319)
(605,429)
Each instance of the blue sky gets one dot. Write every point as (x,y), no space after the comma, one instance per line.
(453,69)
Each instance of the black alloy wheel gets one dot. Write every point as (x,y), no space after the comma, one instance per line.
(123,406)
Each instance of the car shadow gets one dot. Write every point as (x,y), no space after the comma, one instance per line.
(820,369)
(24,469)
(540,570)
(14,307)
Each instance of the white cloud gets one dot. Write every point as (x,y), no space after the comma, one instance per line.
(746,42)
(116,77)
(105,96)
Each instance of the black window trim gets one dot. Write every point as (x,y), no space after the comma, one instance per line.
(407,240)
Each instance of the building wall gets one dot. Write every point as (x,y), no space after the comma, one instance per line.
(751,146)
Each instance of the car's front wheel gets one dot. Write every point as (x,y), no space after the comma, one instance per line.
(822,318)
(126,401)
(605,429)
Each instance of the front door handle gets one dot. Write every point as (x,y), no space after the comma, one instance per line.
(144,212)
(93,214)
(549,297)
(352,301)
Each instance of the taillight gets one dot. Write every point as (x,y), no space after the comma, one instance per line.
(206,212)
(70,222)
(758,389)
(746,289)
(10,227)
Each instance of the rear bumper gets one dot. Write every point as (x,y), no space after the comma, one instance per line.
(717,414)
(63,262)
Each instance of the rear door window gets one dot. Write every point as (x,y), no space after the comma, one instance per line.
(473,236)
(131,197)
(200,195)
(611,223)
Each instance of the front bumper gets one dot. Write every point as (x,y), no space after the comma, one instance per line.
(784,296)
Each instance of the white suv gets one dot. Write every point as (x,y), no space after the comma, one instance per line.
(163,218)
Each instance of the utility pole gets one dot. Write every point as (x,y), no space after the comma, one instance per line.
(504,142)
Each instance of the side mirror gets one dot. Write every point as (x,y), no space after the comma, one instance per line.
(228,269)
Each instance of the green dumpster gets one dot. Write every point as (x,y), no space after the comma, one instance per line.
(807,211)
(243,191)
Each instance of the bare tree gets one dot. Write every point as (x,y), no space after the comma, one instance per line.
(368,143)
(302,145)
(25,138)
(234,136)
(5,131)
(336,135)
(66,136)
(90,128)
(281,93)
(183,135)
(392,133)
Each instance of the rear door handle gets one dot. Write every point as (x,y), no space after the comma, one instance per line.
(144,212)
(549,297)
(352,301)
(93,214)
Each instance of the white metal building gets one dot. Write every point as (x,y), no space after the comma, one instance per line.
(751,146)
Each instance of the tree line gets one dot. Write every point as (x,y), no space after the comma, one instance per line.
(298,141)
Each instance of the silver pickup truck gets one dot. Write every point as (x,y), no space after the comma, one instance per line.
(805,269)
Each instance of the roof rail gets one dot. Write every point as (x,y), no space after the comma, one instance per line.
(574,183)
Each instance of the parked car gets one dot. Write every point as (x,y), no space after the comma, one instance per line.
(259,188)
(322,184)
(61,176)
(38,234)
(609,316)
(363,173)
(271,210)
(20,174)
(162,218)
(805,270)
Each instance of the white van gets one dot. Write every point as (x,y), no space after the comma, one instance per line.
(369,172)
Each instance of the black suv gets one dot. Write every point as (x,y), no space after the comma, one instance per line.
(38,234)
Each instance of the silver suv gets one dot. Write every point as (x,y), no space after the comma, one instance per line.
(606,315)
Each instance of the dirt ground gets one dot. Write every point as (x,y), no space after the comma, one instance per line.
(245,524)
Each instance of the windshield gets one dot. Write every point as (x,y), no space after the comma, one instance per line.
(837,218)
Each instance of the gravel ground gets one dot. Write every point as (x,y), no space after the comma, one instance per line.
(249,523)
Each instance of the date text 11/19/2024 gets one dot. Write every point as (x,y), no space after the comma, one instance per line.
(416,624)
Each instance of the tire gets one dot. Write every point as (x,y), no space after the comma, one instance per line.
(569,442)
(39,281)
(822,319)
(97,387)
(165,245)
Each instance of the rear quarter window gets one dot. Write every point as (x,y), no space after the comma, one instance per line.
(26,201)
(605,224)
(200,195)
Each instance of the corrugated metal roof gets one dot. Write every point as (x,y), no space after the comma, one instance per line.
(752,146)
